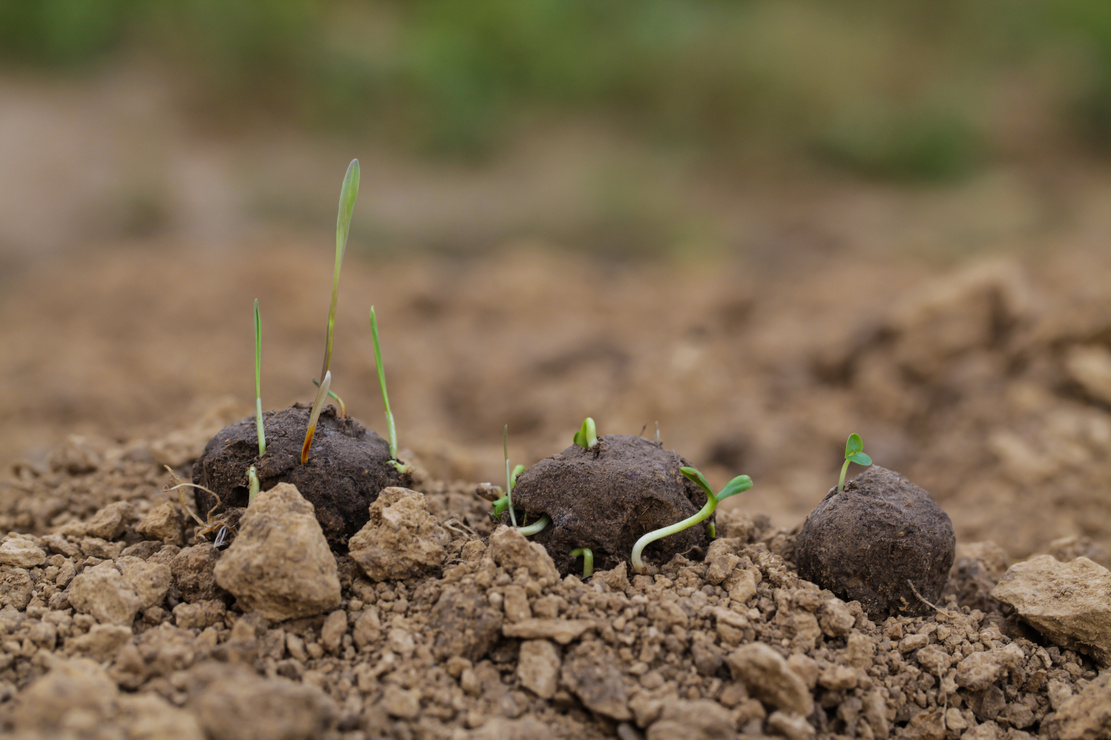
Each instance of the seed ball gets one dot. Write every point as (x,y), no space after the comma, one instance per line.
(870,542)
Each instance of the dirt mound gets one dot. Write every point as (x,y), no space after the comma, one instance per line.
(493,642)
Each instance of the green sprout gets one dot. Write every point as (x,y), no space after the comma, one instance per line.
(253,484)
(536,527)
(258,383)
(740,484)
(335,397)
(508,478)
(587,436)
(347,194)
(588,560)
(502,503)
(401,467)
(854,452)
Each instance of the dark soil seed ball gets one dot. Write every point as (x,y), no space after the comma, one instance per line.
(870,542)
(347,467)
(606,497)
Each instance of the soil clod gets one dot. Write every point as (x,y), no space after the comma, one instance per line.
(882,541)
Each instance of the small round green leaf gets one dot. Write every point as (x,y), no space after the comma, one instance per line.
(854,445)
(693,474)
(740,484)
(860,459)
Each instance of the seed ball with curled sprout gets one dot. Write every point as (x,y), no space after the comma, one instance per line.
(606,497)
(878,541)
(348,466)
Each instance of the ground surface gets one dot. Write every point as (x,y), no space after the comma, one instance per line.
(985,381)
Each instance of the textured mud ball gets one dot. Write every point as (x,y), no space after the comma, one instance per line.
(347,467)
(873,540)
(606,498)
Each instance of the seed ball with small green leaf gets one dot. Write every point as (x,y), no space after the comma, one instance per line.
(873,540)
(606,497)
(348,466)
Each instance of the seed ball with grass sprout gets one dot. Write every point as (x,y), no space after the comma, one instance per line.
(347,467)
(878,542)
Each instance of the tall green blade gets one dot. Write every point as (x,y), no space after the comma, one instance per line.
(347,195)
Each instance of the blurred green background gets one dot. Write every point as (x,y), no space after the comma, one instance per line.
(902,95)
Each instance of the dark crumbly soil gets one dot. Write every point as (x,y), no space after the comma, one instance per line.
(607,497)
(348,466)
(872,541)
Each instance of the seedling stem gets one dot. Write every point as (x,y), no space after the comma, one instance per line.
(854,452)
(508,477)
(536,526)
(253,484)
(588,560)
(740,484)
(258,383)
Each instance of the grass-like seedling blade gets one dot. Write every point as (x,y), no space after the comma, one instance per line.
(349,191)
(508,476)
(738,485)
(854,453)
(382,383)
(258,383)
(588,560)
(587,436)
(314,415)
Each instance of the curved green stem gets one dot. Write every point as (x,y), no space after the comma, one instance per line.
(536,527)
(841,481)
(588,560)
(739,484)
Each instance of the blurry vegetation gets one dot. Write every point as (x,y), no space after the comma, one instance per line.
(893,90)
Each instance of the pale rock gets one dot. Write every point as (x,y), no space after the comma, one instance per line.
(193,570)
(21,552)
(590,671)
(1086,715)
(234,703)
(768,677)
(401,539)
(163,522)
(538,667)
(700,719)
(76,697)
(980,670)
(1066,602)
(335,627)
(563,631)
(101,642)
(279,564)
(790,726)
(104,593)
(150,581)
(149,717)
(1089,366)
(401,703)
(741,584)
(510,550)
(835,618)
(109,522)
